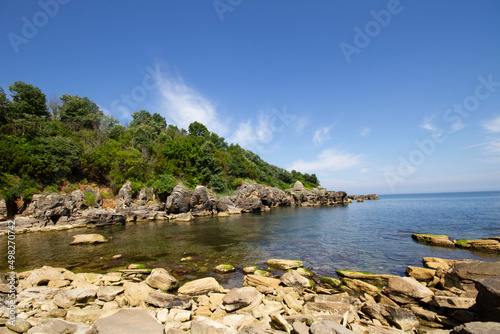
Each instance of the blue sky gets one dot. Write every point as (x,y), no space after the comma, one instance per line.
(371,96)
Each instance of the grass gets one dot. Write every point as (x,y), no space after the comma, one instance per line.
(462,242)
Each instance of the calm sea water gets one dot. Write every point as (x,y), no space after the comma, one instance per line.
(372,236)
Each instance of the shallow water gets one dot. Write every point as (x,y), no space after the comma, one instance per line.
(372,236)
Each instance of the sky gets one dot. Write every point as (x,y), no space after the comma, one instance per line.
(371,96)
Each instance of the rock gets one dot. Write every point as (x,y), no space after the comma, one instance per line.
(200,203)
(433,240)
(20,325)
(366,327)
(108,293)
(363,275)
(454,302)
(100,217)
(3,209)
(298,186)
(402,318)
(256,280)
(300,328)
(435,263)
(292,303)
(324,327)
(43,276)
(250,270)
(124,198)
(88,239)
(278,322)
(200,286)
(361,287)
(178,201)
(240,298)
(128,321)
(284,264)
(68,298)
(295,280)
(202,325)
(168,301)
(183,217)
(224,268)
(97,195)
(225,205)
(84,315)
(136,293)
(477,328)
(420,274)
(333,282)
(488,298)
(406,290)
(463,273)
(486,245)
(56,326)
(161,279)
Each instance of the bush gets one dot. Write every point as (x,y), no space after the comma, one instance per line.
(89,199)
(165,183)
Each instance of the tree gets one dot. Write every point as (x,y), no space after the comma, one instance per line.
(27,100)
(80,113)
(4,106)
(198,130)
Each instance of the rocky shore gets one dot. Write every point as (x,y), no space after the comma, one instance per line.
(445,296)
(64,211)
(490,244)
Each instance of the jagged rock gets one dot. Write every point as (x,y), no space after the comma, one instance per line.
(200,286)
(19,325)
(124,198)
(136,293)
(88,239)
(256,329)
(168,301)
(435,263)
(178,201)
(226,205)
(161,279)
(256,280)
(278,322)
(68,298)
(420,274)
(97,195)
(43,276)
(477,328)
(84,315)
(145,195)
(433,240)
(284,264)
(200,203)
(202,325)
(295,280)
(240,298)
(488,298)
(366,327)
(361,287)
(100,217)
(248,198)
(324,327)
(56,326)
(298,186)
(108,293)
(463,273)
(454,302)
(3,209)
(128,321)
(406,290)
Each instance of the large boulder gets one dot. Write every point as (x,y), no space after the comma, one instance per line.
(477,328)
(298,186)
(161,279)
(163,300)
(43,276)
(226,205)
(463,273)
(52,326)
(97,195)
(200,203)
(200,287)
(128,321)
(3,209)
(146,195)
(124,198)
(295,280)
(433,240)
(407,290)
(98,217)
(179,200)
(242,297)
(248,198)
(488,298)
(68,298)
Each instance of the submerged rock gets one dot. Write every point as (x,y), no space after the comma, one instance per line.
(88,239)
(433,240)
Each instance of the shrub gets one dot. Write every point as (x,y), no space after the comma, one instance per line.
(89,199)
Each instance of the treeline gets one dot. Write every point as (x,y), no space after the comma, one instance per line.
(47,144)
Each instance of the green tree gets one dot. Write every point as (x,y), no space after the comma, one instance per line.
(80,113)
(4,106)
(27,100)
(198,130)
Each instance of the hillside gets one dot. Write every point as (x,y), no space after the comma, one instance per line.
(50,145)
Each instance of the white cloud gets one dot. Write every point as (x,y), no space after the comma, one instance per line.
(427,124)
(456,126)
(322,135)
(365,132)
(253,137)
(492,126)
(183,105)
(364,170)
(301,123)
(330,160)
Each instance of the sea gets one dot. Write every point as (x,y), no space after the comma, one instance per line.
(371,236)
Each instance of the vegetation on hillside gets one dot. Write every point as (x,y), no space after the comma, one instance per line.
(48,144)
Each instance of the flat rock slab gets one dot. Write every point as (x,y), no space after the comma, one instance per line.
(295,280)
(454,302)
(284,264)
(57,326)
(164,300)
(323,327)
(256,280)
(88,239)
(200,287)
(433,240)
(488,298)
(239,298)
(477,328)
(406,290)
(127,321)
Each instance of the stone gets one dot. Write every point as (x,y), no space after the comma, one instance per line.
(284,264)
(463,273)
(128,321)
(477,328)
(266,309)
(179,200)
(43,276)
(58,326)
(224,268)
(436,262)
(324,327)
(255,280)
(366,327)
(136,293)
(406,290)
(420,274)
(163,300)
(202,325)
(19,325)
(3,209)
(225,205)
(402,318)
(250,270)
(361,287)
(178,315)
(298,186)
(292,303)
(161,279)
(88,239)
(200,203)
(300,327)
(454,302)
(58,283)
(333,282)
(84,315)
(124,198)
(240,298)
(68,298)
(295,280)
(200,287)
(109,293)
(433,240)
(488,298)
(279,323)
(101,217)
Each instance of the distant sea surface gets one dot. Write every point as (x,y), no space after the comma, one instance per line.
(373,236)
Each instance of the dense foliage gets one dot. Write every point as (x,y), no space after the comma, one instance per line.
(45,145)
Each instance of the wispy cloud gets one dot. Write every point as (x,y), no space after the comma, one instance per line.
(253,136)
(322,135)
(183,105)
(365,132)
(328,160)
(492,126)
(427,124)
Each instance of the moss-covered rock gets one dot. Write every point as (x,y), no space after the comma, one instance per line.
(224,268)
(433,239)
(333,282)
(284,264)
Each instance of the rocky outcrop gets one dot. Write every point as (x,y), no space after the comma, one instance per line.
(488,298)
(179,201)
(433,239)
(200,203)
(3,209)
(97,195)
(124,198)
